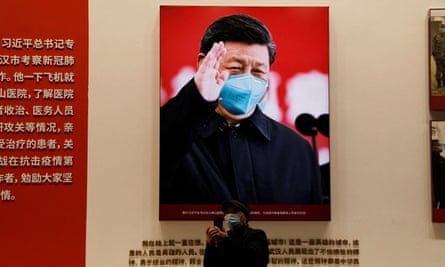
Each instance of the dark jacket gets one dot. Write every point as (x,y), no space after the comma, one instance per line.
(246,247)
(203,160)
(438,47)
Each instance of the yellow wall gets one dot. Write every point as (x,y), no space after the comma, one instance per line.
(379,132)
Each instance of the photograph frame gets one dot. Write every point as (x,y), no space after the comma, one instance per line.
(436,56)
(437,152)
(259,211)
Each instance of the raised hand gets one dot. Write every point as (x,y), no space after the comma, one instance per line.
(209,78)
(214,235)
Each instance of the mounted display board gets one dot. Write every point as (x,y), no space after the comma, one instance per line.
(43,132)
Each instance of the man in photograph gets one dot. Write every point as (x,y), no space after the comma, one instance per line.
(438,52)
(217,144)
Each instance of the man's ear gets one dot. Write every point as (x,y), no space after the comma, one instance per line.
(201,57)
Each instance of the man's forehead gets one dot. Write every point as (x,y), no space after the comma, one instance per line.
(246,59)
(241,52)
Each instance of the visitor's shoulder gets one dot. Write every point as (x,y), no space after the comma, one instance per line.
(251,230)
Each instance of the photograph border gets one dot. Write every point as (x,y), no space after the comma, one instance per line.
(274,211)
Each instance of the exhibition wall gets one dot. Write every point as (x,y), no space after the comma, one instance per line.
(379,133)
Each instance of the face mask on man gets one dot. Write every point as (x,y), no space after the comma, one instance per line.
(241,93)
(232,221)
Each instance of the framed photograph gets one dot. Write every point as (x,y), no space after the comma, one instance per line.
(244,111)
(437,133)
(436,29)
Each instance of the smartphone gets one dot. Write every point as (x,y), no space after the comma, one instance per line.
(218,221)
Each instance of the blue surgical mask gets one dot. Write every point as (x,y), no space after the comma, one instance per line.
(241,93)
(232,221)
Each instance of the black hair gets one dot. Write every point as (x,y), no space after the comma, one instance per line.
(238,28)
(238,205)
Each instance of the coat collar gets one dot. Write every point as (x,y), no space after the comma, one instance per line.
(258,121)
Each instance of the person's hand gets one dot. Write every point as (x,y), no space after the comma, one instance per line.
(208,78)
(215,235)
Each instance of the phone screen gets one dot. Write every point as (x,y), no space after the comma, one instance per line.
(218,221)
